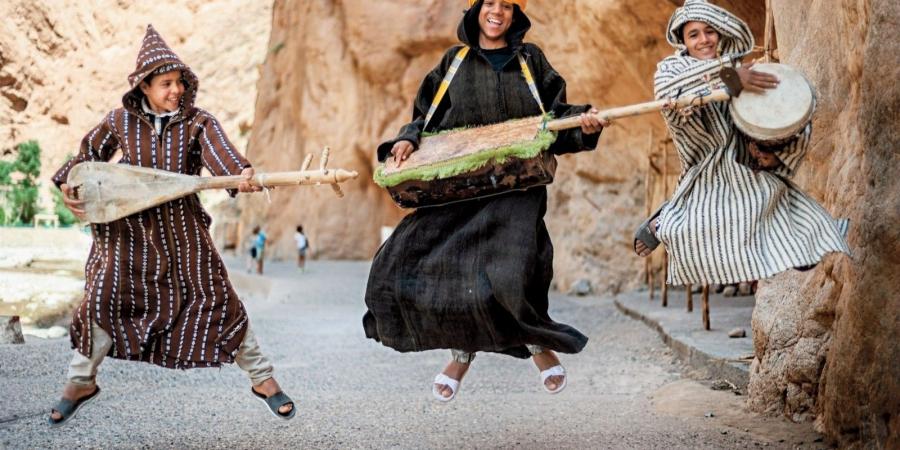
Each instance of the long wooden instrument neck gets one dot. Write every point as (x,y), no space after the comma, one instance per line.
(718,95)
(327,176)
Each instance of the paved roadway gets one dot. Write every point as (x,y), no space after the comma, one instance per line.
(355,393)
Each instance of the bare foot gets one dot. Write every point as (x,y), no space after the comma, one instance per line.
(545,360)
(269,388)
(455,370)
(639,247)
(73,392)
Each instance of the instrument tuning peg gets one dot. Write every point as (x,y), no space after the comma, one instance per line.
(324,160)
(306,162)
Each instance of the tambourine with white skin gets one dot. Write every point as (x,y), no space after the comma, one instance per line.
(773,117)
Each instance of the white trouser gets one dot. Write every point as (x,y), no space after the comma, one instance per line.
(83,370)
(466,357)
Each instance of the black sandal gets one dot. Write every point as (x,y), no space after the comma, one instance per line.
(68,408)
(275,402)
(645,235)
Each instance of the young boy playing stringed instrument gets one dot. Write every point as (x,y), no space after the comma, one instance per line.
(156,289)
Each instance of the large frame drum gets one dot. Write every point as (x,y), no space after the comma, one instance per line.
(774,117)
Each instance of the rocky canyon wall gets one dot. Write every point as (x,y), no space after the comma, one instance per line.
(825,340)
(63,64)
(345,75)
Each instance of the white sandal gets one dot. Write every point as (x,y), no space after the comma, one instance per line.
(446,381)
(556,370)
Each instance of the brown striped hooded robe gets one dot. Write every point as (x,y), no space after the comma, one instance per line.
(154,280)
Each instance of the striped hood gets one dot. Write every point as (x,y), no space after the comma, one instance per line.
(735,35)
(156,56)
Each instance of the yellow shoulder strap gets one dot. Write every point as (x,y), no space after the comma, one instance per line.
(445,83)
(451,72)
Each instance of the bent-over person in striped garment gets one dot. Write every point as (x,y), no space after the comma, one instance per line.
(156,289)
(735,215)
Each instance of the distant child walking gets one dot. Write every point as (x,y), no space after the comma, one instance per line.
(258,251)
(302,248)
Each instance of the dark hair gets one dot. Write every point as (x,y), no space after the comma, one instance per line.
(256,229)
(299,228)
(680,31)
(149,78)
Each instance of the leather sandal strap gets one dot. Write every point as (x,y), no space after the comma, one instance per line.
(65,407)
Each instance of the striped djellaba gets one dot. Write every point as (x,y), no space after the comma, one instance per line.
(726,222)
(154,280)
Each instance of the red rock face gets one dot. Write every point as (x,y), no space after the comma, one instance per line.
(838,361)
(64,64)
(345,76)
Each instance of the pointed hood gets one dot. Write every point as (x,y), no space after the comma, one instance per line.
(468,29)
(734,34)
(157,57)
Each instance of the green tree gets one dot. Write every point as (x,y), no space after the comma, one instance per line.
(6,169)
(21,195)
(59,207)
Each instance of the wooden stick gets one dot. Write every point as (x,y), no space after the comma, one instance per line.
(648,198)
(662,281)
(328,176)
(770,26)
(306,162)
(690,298)
(665,176)
(706,307)
(718,95)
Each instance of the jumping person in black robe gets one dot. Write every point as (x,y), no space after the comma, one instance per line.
(474,276)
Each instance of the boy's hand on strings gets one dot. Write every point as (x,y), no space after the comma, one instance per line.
(73,204)
(755,81)
(401,151)
(245,186)
(590,123)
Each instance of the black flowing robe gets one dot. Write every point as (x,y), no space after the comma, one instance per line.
(475,275)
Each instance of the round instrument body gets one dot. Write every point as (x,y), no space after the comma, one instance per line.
(776,116)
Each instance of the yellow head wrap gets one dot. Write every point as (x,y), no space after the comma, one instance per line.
(521,3)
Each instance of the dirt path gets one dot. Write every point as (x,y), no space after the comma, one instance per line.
(625,390)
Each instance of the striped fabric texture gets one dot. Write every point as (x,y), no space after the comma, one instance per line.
(725,222)
(154,280)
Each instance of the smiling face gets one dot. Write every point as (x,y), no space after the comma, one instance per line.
(164,91)
(494,20)
(701,40)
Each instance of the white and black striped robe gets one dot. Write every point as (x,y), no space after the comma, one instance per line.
(154,280)
(726,222)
